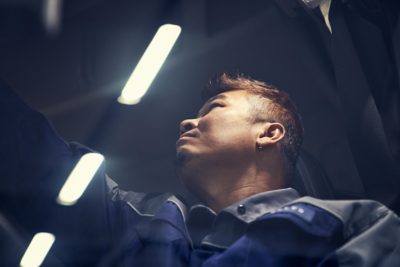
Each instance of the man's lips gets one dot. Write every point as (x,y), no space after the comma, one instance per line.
(186,135)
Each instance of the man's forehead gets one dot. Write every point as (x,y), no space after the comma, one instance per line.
(231,95)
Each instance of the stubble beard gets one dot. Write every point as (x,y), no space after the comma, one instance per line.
(181,161)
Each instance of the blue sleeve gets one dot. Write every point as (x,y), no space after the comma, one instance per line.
(101,229)
(35,163)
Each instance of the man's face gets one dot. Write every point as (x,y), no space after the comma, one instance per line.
(223,132)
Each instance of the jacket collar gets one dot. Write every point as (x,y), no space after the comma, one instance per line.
(220,230)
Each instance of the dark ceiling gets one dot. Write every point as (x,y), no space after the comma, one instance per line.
(74,77)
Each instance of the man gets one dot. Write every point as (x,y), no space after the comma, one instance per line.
(237,156)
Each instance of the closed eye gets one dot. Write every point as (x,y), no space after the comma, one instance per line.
(207,108)
(214,105)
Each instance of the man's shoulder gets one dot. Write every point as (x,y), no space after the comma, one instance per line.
(350,211)
(349,232)
(363,218)
(143,204)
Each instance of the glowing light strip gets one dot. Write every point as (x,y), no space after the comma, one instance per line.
(37,250)
(149,64)
(52,10)
(79,178)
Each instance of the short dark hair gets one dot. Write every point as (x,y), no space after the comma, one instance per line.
(278,108)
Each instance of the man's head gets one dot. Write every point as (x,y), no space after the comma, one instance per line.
(242,123)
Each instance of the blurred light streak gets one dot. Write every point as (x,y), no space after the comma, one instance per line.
(149,64)
(312,3)
(52,10)
(37,250)
(325,7)
(79,178)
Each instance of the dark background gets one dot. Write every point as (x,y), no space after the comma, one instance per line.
(346,84)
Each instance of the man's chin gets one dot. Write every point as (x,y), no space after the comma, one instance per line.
(183,157)
(184,160)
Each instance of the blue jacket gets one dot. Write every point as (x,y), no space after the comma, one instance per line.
(112,227)
(278,228)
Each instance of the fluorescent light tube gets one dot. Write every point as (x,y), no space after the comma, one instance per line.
(149,64)
(37,250)
(52,10)
(79,178)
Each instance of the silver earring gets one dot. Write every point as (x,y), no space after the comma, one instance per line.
(259,147)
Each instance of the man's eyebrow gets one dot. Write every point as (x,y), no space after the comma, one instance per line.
(209,101)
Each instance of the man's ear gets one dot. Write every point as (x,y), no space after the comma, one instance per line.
(272,133)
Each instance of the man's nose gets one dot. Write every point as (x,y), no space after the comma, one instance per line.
(187,125)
